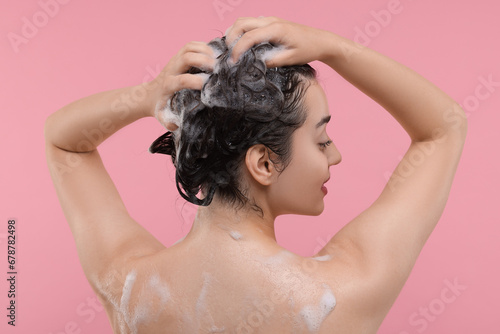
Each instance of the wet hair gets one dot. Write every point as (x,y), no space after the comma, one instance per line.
(240,105)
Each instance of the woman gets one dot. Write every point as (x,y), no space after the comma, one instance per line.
(229,275)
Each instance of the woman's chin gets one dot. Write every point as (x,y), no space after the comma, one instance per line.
(315,211)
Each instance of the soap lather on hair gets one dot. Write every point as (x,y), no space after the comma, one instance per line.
(240,104)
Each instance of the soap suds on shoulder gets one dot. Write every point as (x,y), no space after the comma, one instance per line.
(314,315)
(159,289)
(235,235)
(125,299)
(323,258)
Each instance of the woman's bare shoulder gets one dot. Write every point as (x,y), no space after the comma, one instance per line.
(362,301)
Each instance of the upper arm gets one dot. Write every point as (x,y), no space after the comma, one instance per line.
(103,230)
(384,241)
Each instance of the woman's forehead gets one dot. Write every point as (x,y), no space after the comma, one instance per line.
(316,105)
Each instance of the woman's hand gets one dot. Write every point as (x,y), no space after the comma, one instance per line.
(302,44)
(174,78)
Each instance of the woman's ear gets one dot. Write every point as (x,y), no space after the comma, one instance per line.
(259,164)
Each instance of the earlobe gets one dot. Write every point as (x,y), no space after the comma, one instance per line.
(259,164)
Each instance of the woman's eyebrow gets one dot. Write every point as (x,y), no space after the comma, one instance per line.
(324,120)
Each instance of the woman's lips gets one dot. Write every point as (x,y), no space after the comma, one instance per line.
(324,189)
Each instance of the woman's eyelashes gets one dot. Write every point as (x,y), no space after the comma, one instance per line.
(325,144)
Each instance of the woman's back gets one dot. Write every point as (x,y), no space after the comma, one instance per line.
(222,285)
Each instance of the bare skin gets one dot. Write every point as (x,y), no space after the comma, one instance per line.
(229,275)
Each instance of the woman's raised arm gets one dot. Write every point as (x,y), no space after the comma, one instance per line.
(104,232)
(387,237)
(382,244)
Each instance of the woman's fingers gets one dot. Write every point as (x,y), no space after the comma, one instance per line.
(267,33)
(174,76)
(193,54)
(281,58)
(247,32)
(189,81)
(299,44)
(193,59)
(243,25)
(198,47)
(238,26)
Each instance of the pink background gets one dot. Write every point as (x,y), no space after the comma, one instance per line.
(85,47)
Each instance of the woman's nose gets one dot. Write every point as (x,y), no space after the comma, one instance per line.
(335,157)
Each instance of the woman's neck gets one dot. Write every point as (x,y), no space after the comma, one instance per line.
(223,220)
